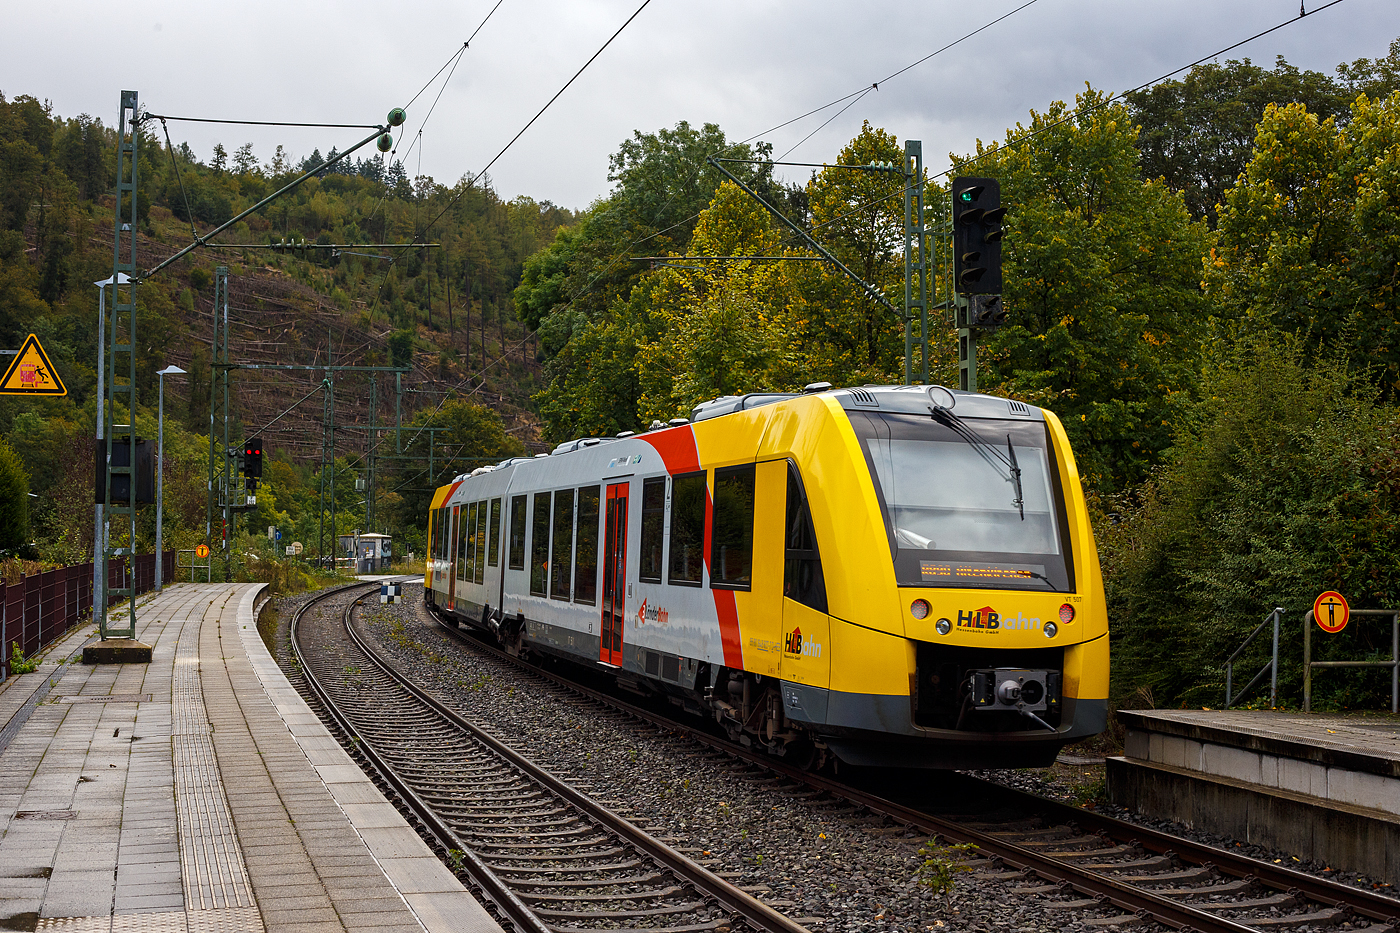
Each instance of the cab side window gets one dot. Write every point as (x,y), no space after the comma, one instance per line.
(802,566)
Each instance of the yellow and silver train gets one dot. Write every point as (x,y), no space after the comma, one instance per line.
(896,575)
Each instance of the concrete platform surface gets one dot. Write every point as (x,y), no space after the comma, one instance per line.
(198,792)
(1324,786)
(1347,758)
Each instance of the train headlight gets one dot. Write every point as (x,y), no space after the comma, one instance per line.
(943,626)
(1066,613)
(920,608)
(1050,629)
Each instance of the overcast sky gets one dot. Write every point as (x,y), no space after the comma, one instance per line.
(747,66)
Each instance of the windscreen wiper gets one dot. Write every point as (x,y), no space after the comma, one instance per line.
(1016,476)
(943,414)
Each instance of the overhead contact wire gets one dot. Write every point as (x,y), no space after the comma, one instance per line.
(857,94)
(548,104)
(1091,109)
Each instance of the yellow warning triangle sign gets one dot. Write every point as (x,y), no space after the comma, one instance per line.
(31,373)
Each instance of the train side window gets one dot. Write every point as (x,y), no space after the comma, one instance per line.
(687,529)
(462,520)
(802,567)
(517,532)
(477,557)
(561,554)
(479,540)
(493,550)
(653,528)
(731,537)
(586,550)
(539,547)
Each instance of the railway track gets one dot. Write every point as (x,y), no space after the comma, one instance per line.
(547,856)
(1083,861)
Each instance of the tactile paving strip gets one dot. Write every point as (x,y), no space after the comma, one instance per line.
(212,865)
(235,920)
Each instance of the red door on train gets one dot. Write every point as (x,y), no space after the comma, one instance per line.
(614,575)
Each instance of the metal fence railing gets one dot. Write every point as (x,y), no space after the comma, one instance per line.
(43,606)
(1394,663)
(1270,667)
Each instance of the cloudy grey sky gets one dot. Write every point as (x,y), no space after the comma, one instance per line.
(747,65)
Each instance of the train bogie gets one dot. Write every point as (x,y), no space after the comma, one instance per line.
(861,572)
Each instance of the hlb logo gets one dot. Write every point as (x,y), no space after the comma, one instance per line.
(795,644)
(985,617)
(988,618)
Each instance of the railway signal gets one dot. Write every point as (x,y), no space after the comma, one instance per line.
(252,458)
(986,312)
(977,233)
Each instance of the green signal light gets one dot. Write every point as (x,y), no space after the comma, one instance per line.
(966,195)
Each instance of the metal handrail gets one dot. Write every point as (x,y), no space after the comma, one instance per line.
(1393,663)
(191,563)
(1231,697)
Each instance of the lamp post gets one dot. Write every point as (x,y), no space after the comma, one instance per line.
(171,370)
(99,528)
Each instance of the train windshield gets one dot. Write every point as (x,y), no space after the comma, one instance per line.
(952,507)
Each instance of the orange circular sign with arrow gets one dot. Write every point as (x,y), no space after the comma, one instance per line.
(1330,612)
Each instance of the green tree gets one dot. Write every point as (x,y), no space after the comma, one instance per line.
(1374,77)
(469,436)
(859,216)
(1102,286)
(14,500)
(1197,131)
(717,328)
(572,290)
(1308,238)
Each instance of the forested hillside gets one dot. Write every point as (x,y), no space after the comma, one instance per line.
(445,311)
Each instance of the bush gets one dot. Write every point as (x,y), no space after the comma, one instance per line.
(1284,481)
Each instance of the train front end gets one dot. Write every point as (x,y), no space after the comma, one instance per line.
(966,619)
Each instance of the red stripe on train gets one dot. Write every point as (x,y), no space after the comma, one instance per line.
(680,455)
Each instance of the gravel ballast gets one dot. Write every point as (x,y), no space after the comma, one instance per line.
(817,860)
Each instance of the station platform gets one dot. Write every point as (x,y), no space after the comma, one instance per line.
(198,793)
(1322,786)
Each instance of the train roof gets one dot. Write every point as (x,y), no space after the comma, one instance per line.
(914,399)
(909,399)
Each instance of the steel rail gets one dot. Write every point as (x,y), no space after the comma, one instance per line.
(1140,901)
(750,908)
(1334,894)
(494,888)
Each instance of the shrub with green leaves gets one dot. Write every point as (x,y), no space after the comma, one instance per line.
(1284,481)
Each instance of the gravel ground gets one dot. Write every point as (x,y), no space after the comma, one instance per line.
(817,861)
